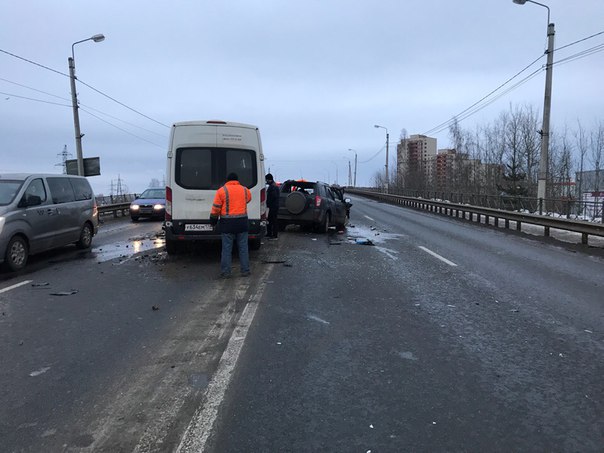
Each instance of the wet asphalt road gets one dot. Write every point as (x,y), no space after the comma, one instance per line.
(478,341)
(391,348)
(111,350)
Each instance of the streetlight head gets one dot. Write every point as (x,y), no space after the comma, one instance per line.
(519,2)
(101,37)
(376,126)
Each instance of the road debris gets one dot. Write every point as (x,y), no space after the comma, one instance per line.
(154,307)
(37,285)
(363,241)
(65,293)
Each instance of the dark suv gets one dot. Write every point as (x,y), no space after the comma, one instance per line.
(314,204)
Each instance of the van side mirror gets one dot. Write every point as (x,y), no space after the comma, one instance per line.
(30,200)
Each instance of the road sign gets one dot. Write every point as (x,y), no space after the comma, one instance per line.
(92,166)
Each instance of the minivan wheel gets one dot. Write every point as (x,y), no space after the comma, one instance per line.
(16,253)
(85,241)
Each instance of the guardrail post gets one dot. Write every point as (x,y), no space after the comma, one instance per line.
(540,206)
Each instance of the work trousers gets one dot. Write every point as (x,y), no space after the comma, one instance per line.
(227,252)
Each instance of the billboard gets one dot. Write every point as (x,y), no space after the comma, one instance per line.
(92,166)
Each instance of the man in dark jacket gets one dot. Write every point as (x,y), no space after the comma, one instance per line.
(272,203)
(230,206)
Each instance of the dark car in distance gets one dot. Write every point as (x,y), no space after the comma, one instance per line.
(150,204)
(312,204)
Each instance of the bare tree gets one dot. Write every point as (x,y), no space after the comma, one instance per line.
(582,147)
(560,165)
(597,151)
(530,145)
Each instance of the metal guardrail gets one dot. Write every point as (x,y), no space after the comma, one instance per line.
(117,209)
(478,214)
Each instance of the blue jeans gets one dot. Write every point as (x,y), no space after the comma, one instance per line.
(227,252)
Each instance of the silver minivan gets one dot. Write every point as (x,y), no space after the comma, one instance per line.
(39,212)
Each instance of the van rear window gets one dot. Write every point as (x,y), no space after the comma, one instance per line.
(206,168)
(8,190)
(81,188)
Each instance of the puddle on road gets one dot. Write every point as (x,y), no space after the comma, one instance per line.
(125,249)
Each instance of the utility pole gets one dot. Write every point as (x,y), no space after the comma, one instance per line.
(547,103)
(76,117)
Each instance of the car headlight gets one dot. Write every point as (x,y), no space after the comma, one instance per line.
(134,207)
(157,207)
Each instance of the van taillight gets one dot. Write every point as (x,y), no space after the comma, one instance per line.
(317,201)
(263,204)
(168,203)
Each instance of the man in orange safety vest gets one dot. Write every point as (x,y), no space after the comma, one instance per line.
(230,206)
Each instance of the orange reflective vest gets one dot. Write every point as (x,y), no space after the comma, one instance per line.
(230,201)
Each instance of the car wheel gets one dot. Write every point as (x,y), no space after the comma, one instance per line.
(17,252)
(255,244)
(134,219)
(85,241)
(295,203)
(323,227)
(173,247)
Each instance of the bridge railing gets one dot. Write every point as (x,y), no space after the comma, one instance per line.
(116,205)
(488,215)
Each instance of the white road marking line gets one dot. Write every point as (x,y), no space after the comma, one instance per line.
(202,423)
(367,217)
(40,371)
(316,318)
(3,290)
(436,255)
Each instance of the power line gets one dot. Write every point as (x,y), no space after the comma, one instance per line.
(463,115)
(374,156)
(34,63)
(447,123)
(34,89)
(122,104)
(582,54)
(32,99)
(121,129)
(580,40)
(81,105)
(84,83)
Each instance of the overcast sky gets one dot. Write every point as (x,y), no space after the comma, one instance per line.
(315,76)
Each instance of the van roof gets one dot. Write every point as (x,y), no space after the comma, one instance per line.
(24,176)
(214,123)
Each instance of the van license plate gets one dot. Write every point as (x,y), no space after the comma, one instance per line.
(198,227)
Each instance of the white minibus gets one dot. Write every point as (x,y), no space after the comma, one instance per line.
(200,156)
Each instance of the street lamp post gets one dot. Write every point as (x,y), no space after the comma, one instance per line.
(547,103)
(354,181)
(74,101)
(387,144)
